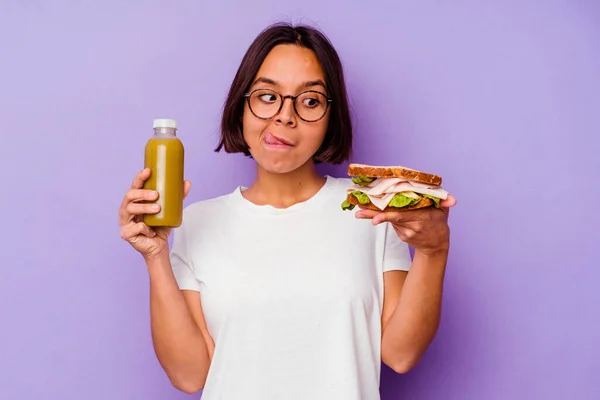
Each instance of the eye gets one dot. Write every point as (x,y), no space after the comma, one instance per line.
(311,102)
(267,98)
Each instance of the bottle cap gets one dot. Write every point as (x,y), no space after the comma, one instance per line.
(165,123)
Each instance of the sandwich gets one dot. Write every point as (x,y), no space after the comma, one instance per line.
(392,188)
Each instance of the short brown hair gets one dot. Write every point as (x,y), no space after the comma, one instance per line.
(337,145)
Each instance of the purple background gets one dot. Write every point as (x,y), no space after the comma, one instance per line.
(502,99)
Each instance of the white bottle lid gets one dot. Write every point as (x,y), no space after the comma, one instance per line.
(165,123)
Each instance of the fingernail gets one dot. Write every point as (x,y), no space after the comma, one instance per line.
(359,214)
(155,207)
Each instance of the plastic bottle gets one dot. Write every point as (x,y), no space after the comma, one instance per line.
(164,155)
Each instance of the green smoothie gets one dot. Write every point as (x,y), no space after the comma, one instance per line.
(164,155)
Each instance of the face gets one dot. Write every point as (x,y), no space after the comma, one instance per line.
(285,142)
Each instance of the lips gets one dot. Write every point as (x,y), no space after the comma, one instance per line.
(276,141)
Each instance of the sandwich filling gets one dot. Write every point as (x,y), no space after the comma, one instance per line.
(392,192)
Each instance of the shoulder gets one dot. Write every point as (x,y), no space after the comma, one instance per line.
(346,220)
(338,185)
(338,189)
(342,181)
(337,192)
(216,208)
(212,204)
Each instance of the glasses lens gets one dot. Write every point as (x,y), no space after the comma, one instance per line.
(265,103)
(311,105)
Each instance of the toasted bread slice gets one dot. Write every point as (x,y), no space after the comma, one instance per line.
(394,172)
(425,202)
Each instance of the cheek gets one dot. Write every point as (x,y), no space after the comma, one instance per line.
(252,127)
(315,134)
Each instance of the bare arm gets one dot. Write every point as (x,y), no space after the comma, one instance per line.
(411,311)
(181,340)
(412,302)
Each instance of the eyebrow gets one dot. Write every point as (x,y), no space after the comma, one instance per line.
(307,84)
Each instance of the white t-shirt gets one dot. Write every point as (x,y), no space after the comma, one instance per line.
(292,297)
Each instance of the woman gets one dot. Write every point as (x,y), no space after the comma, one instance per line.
(272,291)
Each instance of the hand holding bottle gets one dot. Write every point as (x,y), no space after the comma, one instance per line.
(149,241)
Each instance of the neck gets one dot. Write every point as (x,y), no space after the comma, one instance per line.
(284,190)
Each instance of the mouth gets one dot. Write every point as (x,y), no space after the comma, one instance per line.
(273,140)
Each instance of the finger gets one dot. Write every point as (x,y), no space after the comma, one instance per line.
(366,214)
(448,202)
(396,217)
(132,195)
(140,194)
(143,229)
(377,217)
(141,208)
(187,185)
(131,231)
(140,178)
(405,234)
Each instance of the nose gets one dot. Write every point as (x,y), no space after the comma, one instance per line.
(287,115)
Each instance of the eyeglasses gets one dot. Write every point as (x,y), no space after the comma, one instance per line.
(310,105)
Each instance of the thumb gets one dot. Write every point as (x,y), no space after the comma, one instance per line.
(187,185)
(447,203)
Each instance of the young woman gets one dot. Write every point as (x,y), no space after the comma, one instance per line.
(273,291)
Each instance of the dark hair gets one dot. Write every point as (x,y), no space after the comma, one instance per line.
(337,145)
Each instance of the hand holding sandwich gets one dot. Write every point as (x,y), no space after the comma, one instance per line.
(412,201)
(424,229)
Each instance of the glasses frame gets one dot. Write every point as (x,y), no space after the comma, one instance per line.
(289,96)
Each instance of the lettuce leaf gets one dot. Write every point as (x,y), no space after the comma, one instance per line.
(399,200)
(362,180)
(347,206)
(434,199)
(362,197)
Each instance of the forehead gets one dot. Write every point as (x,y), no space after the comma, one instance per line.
(291,66)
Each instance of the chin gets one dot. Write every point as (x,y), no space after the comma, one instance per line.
(280,165)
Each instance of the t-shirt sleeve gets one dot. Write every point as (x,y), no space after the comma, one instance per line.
(396,253)
(182,267)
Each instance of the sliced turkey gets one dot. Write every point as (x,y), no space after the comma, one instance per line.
(382,190)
